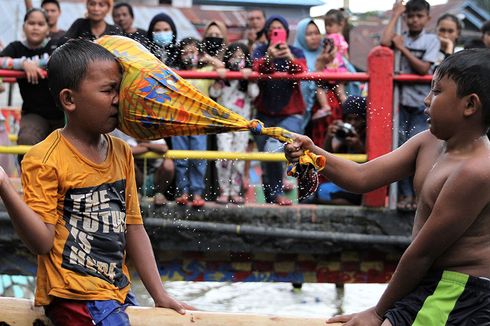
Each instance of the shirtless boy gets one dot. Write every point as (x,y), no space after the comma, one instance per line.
(443,276)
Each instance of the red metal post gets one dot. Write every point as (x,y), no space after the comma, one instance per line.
(379,114)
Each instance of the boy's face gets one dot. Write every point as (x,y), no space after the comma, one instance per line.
(443,107)
(97,98)
(416,20)
(53,13)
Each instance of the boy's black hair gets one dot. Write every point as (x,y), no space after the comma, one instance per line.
(417,5)
(30,11)
(55,2)
(485,28)
(471,72)
(68,64)
(124,4)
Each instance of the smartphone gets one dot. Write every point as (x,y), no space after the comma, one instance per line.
(278,36)
(328,44)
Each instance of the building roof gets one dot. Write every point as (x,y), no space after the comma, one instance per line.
(257,3)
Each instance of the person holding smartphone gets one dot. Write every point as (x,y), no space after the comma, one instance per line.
(280,103)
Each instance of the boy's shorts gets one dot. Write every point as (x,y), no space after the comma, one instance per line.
(444,298)
(93,312)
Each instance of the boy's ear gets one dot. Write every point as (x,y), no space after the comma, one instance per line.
(472,104)
(66,99)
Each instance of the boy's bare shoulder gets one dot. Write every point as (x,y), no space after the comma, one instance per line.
(475,170)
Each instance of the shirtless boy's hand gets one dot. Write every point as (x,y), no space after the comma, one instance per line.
(295,149)
(367,317)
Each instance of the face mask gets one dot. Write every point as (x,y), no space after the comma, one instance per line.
(212,45)
(236,65)
(163,38)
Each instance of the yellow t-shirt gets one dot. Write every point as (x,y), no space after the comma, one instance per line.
(90,205)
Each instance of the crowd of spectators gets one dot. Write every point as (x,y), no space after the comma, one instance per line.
(332,114)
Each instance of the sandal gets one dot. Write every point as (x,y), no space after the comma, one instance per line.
(198,201)
(238,200)
(159,199)
(283,201)
(182,200)
(222,200)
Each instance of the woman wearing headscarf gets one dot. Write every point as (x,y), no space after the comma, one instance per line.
(214,42)
(308,39)
(280,103)
(163,33)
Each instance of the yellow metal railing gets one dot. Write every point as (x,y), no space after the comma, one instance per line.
(203,155)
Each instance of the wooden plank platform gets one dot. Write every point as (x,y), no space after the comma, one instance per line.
(22,312)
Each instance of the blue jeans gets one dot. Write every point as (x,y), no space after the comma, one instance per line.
(189,174)
(412,121)
(273,171)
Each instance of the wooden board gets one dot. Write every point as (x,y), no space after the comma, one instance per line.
(22,312)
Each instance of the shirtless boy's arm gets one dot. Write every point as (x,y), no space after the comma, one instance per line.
(141,253)
(360,178)
(458,205)
(36,235)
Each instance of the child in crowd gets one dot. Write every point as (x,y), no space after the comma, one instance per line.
(189,174)
(53,11)
(81,214)
(237,96)
(420,51)
(40,116)
(448,31)
(334,24)
(94,25)
(443,278)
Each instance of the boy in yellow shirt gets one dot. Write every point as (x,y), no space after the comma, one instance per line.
(81,213)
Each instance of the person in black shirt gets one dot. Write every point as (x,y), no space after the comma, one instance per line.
(39,113)
(123,17)
(94,26)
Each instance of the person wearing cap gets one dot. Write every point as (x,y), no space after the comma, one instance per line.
(343,136)
(280,103)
